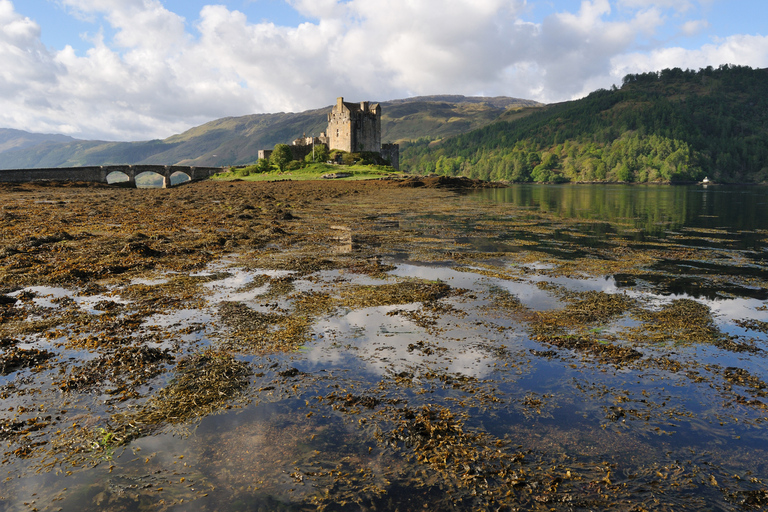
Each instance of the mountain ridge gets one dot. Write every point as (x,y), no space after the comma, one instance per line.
(236,140)
(18,139)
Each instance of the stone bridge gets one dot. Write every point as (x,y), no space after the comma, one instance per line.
(99,174)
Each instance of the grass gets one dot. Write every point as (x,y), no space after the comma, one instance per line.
(312,172)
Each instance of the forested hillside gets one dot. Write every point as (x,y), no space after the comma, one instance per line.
(670,126)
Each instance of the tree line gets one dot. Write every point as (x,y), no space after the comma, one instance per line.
(671,126)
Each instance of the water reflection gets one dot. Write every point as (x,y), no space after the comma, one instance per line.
(651,210)
(514,386)
(390,343)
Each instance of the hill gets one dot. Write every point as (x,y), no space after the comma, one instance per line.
(236,140)
(435,117)
(670,126)
(17,139)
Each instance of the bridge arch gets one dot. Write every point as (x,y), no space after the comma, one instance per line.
(179,177)
(118,177)
(150,179)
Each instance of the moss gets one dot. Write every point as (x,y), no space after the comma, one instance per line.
(583,310)
(682,321)
(391,294)
(204,383)
(262,333)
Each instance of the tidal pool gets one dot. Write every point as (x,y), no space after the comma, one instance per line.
(530,348)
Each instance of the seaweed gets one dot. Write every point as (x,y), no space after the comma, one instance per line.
(13,359)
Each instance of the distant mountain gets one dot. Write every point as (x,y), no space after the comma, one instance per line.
(18,139)
(434,117)
(236,140)
(667,126)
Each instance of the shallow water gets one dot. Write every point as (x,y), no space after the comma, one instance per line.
(475,398)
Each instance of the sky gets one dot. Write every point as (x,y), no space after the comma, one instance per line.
(148,69)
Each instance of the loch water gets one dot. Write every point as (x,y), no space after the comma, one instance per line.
(528,386)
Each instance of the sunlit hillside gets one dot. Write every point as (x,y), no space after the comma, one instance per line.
(237,140)
(671,126)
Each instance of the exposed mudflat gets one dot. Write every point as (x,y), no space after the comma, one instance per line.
(387,344)
(64,233)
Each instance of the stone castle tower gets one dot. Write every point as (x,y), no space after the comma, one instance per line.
(354,127)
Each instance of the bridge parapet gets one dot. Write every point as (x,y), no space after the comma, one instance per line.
(99,174)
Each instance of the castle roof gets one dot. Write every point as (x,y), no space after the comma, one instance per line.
(363,106)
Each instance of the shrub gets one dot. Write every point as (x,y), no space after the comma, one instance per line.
(281,156)
(321,154)
(263,166)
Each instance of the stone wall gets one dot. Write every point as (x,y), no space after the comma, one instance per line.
(299,152)
(391,152)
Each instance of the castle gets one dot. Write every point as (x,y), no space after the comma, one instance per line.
(352,127)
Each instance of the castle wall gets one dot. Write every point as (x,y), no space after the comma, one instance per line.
(299,152)
(354,127)
(368,128)
(391,152)
(339,129)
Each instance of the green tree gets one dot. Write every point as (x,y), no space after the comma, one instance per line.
(623,173)
(541,174)
(281,156)
(321,154)
(263,165)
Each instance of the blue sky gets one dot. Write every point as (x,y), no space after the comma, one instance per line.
(142,69)
(61,27)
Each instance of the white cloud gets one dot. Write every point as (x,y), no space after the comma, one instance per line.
(570,53)
(24,64)
(678,5)
(693,27)
(742,50)
(154,78)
